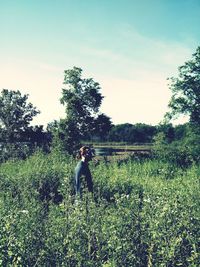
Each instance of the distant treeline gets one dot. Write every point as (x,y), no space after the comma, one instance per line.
(25,142)
(140,133)
(119,133)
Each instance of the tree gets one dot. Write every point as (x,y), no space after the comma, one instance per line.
(82,100)
(102,127)
(132,133)
(143,133)
(180,131)
(15,117)
(186,90)
(15,113)
(185,100)
(167,130)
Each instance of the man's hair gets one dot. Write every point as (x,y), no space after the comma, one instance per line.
(83,151)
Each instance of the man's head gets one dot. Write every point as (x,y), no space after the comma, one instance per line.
(86,153)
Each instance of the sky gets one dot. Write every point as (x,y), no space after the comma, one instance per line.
(130,47)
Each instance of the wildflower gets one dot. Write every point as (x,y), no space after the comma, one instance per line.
(24,211)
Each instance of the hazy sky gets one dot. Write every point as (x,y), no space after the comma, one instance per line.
(130,47)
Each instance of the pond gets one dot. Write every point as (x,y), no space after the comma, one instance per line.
(110,151)
(103,151)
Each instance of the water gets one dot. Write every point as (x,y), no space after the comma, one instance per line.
(103,151)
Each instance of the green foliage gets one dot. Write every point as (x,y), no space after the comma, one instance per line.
(16,113)
(102,127)
(17,138)
(82,100)
(142,214)
(186,90)
(137,133)
(182,152)
(185,100)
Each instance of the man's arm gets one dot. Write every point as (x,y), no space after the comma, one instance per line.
(78,172)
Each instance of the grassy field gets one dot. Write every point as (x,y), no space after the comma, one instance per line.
(142,213)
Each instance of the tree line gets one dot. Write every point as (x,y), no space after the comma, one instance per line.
(83,121)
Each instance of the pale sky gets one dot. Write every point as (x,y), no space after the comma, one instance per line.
(130,47)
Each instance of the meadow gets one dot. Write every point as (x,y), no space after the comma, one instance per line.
(143,213)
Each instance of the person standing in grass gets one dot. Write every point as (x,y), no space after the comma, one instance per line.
(82,169)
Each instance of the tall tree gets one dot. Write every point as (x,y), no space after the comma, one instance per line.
(185,100)
(186,90)
(82,99)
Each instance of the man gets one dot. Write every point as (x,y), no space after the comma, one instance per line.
(82,168)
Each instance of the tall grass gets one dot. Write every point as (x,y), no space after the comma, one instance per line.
(141,214)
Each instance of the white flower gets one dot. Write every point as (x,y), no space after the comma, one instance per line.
(24,211)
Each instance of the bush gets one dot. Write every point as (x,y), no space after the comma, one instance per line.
(182,153)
